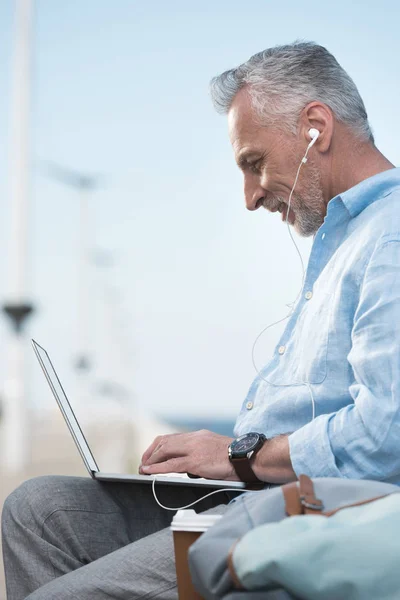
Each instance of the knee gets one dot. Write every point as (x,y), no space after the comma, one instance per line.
(29,503)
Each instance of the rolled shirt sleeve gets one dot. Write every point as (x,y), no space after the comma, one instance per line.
(362,440)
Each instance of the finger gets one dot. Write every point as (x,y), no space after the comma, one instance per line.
(150,449)
(154,445)
(167,449)
(173,465)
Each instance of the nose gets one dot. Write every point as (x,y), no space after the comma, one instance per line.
(253,193)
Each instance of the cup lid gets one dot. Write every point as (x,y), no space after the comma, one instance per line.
(189,520)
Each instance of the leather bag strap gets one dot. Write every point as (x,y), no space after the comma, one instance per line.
(291,494)
(300,499)
(311,504)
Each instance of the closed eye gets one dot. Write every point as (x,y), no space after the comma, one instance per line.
(255,167)
(249,161)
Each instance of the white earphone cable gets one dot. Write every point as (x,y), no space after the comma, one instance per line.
(192,503)
(306,383)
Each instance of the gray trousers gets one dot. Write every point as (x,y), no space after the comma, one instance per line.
(70,538)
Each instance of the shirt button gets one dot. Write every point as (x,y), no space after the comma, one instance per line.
(308,295)
(281,349)
(323,236)
(249,405)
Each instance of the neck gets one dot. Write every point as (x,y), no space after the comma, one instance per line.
(350,168)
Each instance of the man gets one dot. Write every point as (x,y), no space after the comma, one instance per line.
(328,402)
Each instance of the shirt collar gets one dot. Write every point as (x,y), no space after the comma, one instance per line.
(367,191)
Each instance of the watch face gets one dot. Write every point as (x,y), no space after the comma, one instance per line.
(244,444)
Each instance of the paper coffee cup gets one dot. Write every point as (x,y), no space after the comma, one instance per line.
(187,526)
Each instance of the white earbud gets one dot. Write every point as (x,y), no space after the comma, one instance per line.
(314,133)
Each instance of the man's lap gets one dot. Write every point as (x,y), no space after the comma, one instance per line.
(86,535)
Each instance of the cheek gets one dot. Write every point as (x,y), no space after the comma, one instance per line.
(265,181)
(274,179)
(267,178)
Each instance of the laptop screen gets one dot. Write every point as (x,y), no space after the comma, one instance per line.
(65,407)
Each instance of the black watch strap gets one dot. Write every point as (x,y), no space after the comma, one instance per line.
(244,471)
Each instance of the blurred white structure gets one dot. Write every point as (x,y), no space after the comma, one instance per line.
(130,429)
(84,184)
(15,431)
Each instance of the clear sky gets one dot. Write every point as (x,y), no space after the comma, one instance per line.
(121,89)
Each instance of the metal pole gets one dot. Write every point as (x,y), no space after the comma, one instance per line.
(84,184)
(15,425)
(19,155)
(83,362)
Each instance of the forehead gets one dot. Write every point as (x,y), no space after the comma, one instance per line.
(244,130)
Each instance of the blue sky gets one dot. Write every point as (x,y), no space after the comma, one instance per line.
(121,89)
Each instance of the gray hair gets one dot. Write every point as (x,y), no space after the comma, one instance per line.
(282,80)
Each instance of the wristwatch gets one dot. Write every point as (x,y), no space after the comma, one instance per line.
(240,453)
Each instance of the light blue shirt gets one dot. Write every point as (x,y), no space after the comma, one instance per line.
(342,344)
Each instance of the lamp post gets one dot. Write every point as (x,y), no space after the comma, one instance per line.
(84,184)
(15,423)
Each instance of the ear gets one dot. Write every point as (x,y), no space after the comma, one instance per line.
(319,116)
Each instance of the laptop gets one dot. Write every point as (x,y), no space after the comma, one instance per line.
(85,452)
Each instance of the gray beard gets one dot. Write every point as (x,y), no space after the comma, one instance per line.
(309,208)
(308,218)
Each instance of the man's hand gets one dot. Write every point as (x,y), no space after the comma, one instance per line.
(202,453)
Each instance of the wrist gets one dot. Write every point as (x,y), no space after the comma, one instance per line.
(259,462)
(272,463)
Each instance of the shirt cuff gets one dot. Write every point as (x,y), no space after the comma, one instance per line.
(310,450)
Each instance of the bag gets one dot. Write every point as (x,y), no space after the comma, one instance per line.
(342,541)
